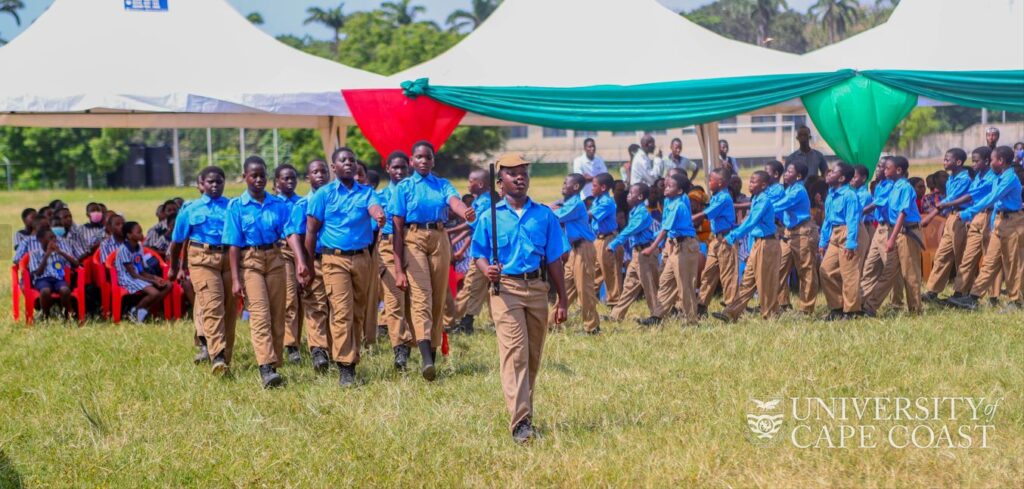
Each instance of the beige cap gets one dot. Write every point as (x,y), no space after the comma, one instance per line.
(510,160)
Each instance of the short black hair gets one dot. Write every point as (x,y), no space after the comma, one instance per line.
(589,140)
(578,179)
(632,149)
(334,155)
(683,182)
(901,163)
(254,160)
(363,166)
(800,167)
(423,143)
(984,152)
(26,212)
(56,204)
(861,170)
(1004,153)
(373,178)
(959,154)
(675,140)
(846,171)
(172,201)
(776,167)
(93,205)
(216,170)
(645,191)
(723,173)
(915,180)
(605,179)
(762,176)
(396,155)
(281,168)
(128,226)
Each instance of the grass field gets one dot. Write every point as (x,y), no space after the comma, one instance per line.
(123,406)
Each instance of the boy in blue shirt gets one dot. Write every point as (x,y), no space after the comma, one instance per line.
(606,227)
(721,265)
(642,273)
(954,233)
(905,237)
(799,239)
(678,282)
(841,245)
(978,226)
(579,268)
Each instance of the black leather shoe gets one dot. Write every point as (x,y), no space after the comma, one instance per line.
(382,331)
(320,360)
(702,312)
(427,356)
(722,317)
(523,432)
(219,367)
(649,321)
(834,315)
(401,357)
(293,354)
(930,298)
(466,325)
(595,332)
(202,356)
(346,375)
(969,302)
(270,377)
(993,301)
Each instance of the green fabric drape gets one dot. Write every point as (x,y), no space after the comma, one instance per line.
(611,108)
(856,117)
(996,90)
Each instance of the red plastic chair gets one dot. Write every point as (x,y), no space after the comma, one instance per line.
(172,303)
(15,293)
(32,295)
(100,277)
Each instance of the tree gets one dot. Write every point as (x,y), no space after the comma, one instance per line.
(332,18)
(401,12)
(476,15)
(921,122)
(836,15)
(255,17)
(11,7)
(740,20)
(766,10)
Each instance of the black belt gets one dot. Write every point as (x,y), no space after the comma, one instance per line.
(606,235)
(680,239)
(1007,213)
(722,234)
(210,247)
(337,252)
(523,276)
(912,226)
(771,237)
(265,247)
(642,246)
(385,237)
(426,225)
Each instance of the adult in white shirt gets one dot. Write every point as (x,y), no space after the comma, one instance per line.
(646,166)
(589,165)
(677,160)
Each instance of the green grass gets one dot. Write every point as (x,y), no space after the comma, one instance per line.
(123,406)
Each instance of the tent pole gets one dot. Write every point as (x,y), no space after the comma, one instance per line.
(176,154)
(241,147)
(209,147)
(276,156)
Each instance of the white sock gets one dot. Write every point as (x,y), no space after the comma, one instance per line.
(142,314)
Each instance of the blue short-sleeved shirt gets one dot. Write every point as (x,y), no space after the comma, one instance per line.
(958,186)
(251,223)
(344,215)
(677,220)
(201,221)
(523,241)
(1005,196)
(297,217)
(721,212)
(481,205)
(573,215)
(881,201)
(981,186)
(638,231)
(842,208)
(760,222)
(776,192)
(385,195)
(864,198)
(422,199)
(903,199)
(795,206)
(602,214)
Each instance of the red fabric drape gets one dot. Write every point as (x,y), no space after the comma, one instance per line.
(391,121)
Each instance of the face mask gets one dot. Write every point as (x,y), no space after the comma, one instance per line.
(1020,154)
(59,232)
(96,217)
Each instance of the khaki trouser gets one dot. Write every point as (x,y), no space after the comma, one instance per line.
(520,313)
(396,302)
(908,268)
(292,301)
(347,280)
(469,301)
(678,283)
(609,269)
(1003,255)
(720,268)
(948,256)
(215,304)
(579,276)
(428,256)
(840,276)
(373,298)
(263,280)
(761,274)
(799,250)
(974,247)
(881,268)
(642,275)
(316,309)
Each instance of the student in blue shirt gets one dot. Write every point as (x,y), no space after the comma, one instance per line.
(528,237)
(252,229)
(800,238)
(201,224)
(579,267)
(905,238)
(286,178)
(881,264)
(642,272)
(1003,254)
(977,227)
(776,191)
(677,286)
(841,245)
(309,274)
(338,228)
(418,212)
(605,225)
(470,299)
(954,233)
(762,272)
(860,186)
(721,265)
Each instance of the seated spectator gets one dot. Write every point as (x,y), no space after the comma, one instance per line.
(920,190)
(91,233)
(132,276)
(115,237)
(158,238)
(31,243)
(48,264)
(28,215)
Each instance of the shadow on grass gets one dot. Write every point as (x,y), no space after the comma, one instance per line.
(9,477)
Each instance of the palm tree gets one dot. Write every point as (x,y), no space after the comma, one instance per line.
(255,17)
(836,15)
(11,7)
(401,12)
(332,18)
(765,11)
(481,10)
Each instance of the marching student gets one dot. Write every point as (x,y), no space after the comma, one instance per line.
(338,225)
(860,185)
(47,264)
(1006,243)
(132,276)
(762,271)
(678,281)
(470,299)
(642,273)
(309,273)
(252,229)
(977,235)
(775,192)
(954,233)
(841,245)
(187,288)
(798,240)
(286,178)
(905,237)
(201,223)
(720,267)
(881,264)
(419,209)
(605,225)
(396,301)
(528,237)
(579,269)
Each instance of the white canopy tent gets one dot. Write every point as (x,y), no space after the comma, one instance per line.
(94,63)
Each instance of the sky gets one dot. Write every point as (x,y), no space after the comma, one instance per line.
(286,16)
